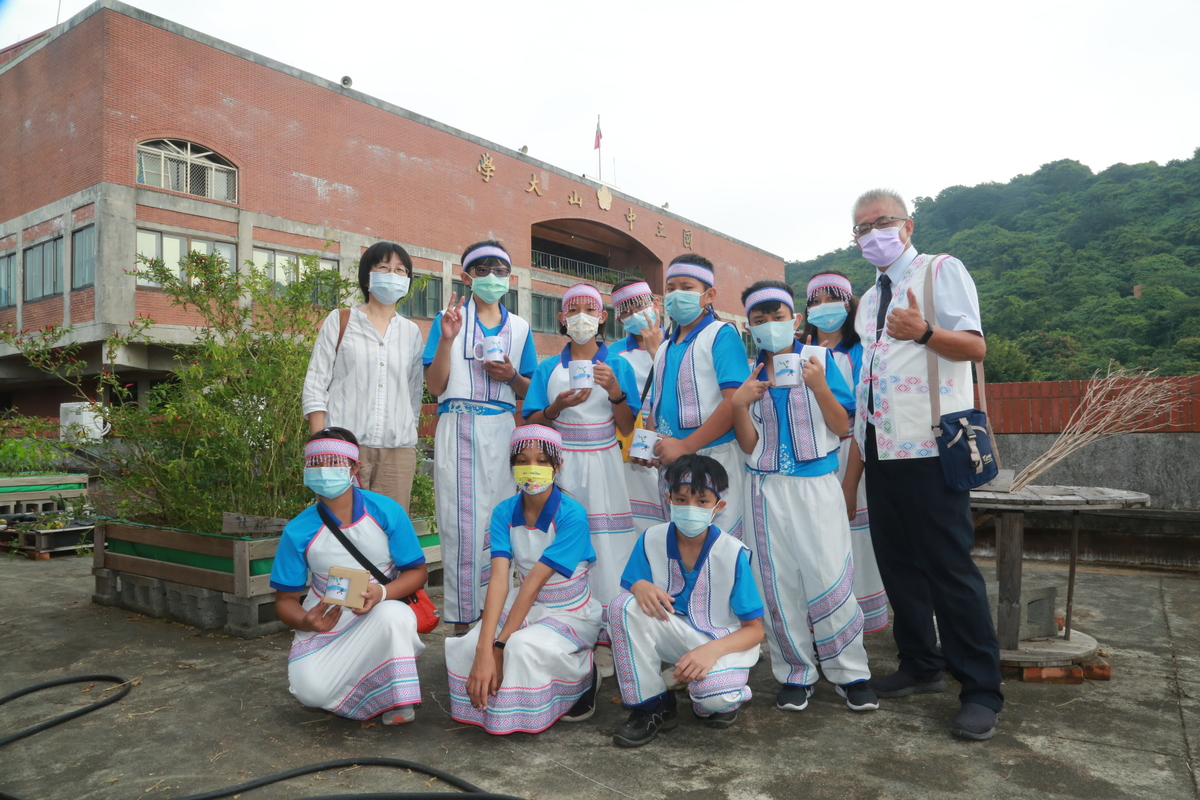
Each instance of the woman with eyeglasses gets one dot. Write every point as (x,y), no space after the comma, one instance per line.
(478,361)
(365,374)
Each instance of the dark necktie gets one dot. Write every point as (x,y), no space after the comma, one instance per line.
(885,300)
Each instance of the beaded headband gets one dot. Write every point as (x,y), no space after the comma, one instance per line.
(686,480)
(769,293)
(827,281)
(331,447)
(548,439)
(696,271)
(583,290)
(631,292)
(485,251)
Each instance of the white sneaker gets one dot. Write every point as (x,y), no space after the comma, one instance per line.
(399,716)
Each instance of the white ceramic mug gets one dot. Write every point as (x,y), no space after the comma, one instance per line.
(582,374)
(490,349)
(643,444)
(787,370)
(810,350)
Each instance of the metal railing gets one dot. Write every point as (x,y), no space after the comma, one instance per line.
(579,269)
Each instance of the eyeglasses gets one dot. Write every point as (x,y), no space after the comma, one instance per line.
(483,272)
(879,224)
(398,270)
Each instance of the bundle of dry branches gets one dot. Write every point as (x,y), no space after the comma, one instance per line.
(1122,401)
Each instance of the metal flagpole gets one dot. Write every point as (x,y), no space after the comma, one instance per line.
(599,151)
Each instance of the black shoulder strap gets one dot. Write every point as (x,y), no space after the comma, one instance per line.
(327,518)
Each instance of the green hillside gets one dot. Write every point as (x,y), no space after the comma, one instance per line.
(1073,268)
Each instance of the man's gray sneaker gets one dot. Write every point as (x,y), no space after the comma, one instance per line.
(974,722)
(901,684)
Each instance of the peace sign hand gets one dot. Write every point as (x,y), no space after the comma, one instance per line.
(452,318)
(753,389)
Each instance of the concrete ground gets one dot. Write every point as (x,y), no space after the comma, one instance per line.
(210,711)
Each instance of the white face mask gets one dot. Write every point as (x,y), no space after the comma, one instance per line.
(388,287)
(582,327)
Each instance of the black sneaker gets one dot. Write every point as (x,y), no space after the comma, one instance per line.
(721,719)
(643,726)
(859,696)
(585,706)
(974,722)
(793,698)
(901,684)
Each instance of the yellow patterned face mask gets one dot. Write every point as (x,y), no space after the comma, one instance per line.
(533,479)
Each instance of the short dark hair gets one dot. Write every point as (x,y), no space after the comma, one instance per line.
(704,472)
(693,258)
(490,261)
(375,255)
(767,306)
(849,334)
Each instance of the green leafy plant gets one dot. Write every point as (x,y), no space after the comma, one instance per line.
(224,432)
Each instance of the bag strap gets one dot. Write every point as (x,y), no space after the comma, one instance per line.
(648,384)
(931,358)
(327,518)
(343,321)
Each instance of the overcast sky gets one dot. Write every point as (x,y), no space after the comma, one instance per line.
(761,120)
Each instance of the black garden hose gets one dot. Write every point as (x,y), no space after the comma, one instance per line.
(341,763)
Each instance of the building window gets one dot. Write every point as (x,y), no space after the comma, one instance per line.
(509,300)
(185,167)
(280,267)
(172,248)
(425,302)
(42,268)
(8,280)
(544,318)
(83,257)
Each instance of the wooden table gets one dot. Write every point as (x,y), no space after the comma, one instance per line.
(1010,536)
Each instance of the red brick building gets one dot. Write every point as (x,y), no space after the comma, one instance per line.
(124,133)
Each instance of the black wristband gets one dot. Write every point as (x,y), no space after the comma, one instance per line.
(546,414)
(927,334)
(498,644)
(619,400)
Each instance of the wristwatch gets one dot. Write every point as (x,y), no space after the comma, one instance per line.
(498,644)
(928,332)
(620,399)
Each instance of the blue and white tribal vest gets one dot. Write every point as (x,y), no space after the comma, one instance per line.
(810,436)
(898,370)
(708,608)
(696,387)
(468,380)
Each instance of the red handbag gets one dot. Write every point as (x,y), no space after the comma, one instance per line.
(426,611)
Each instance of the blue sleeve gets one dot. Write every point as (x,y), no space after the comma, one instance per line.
(856,362)
(745,600)
(536,396)
(431,344)
(289,573)
(498,530)
(405,550)
(837,383)
(729,356)
(628,382)
(572,540)
(637,568)
(529,361)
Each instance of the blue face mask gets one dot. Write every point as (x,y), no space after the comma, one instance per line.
(639,321)
(489,288)
(775,335)
(683,307)
(828,317)
(691,521)
(328,482)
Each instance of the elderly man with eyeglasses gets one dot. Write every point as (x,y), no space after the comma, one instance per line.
(921,529)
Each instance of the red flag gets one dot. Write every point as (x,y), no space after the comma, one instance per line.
(599,135)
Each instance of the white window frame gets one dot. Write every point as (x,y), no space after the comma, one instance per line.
(199,244)
(182,166)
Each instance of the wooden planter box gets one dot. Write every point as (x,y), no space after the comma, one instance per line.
(39,494)
(199,579)
(41,544)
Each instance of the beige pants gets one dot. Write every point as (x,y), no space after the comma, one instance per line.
(389,471)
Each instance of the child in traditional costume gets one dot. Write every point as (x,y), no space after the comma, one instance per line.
(701,365)
(690,601)
(357,663)
(796,514)
(528,662)
(476,401)
(588,421)
(641,316)
(829,320)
